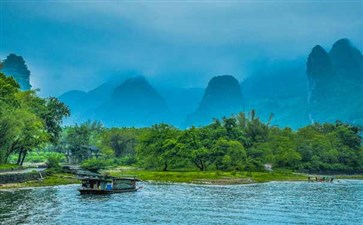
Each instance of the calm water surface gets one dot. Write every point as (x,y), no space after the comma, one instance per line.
(268,203)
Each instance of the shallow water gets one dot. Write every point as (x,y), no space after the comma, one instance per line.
(267,203)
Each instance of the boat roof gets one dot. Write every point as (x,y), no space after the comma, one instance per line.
(126,178)
(96,178)
(99,178)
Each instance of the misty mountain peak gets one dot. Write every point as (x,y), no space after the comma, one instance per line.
(136,80)
(222,97)
(344,48)
(347,59)
(318,50)
(222,87)
(134,103)
(135,88)
(319,63)
(16,67)
(342,43)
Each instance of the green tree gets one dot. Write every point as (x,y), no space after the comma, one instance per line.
(33,134)
(122,142)
(50,110)
(283,145)
(10,130)
(8,89)
(191,147)
(156,146)
(80,138)
(228,154)
(253,129)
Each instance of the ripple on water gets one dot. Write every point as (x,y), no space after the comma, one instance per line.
(272,203)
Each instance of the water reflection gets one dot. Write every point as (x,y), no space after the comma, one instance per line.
(273,203)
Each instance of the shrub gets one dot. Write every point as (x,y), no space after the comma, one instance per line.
(53,162)
(94,165)
(128,160)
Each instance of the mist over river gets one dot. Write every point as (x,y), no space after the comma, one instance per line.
(340,202)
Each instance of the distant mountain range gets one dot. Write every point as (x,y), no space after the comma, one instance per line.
(328,88)
(132,102)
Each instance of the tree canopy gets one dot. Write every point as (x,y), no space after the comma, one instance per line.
(239,143)
(26,120)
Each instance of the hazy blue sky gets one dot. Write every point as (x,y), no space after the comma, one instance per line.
(79,44)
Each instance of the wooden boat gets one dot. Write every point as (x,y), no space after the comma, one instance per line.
(103,185)
(321,179)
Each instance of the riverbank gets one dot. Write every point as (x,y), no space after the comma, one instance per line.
(218,177)
(209,177)
(50,180)
(350,177)
(9,167)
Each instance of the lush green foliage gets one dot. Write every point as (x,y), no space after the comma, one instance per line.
(53,162)
(240,143)
(210,177)
(95,165)
(9,167)
(39,156)
(27,121)
(49,180)
(80,141)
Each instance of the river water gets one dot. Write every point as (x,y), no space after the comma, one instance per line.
(267,203)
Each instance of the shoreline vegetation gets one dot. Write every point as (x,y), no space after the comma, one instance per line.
(211,177)
(190,177)
(51,180)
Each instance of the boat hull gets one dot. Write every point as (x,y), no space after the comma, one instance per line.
(105,192)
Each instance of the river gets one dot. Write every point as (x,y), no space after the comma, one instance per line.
(266,203)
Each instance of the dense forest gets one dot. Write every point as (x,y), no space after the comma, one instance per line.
(238,143)
(30,124)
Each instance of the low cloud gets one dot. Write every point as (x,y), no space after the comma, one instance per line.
(78,45)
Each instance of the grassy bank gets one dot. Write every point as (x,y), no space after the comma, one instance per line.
(9,167)
(209,177)
(354,177)
(52,180)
